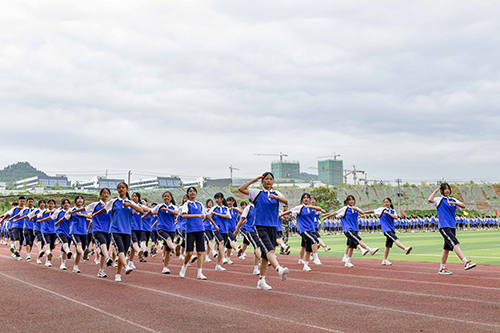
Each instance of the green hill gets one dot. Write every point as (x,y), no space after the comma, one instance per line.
(18,171)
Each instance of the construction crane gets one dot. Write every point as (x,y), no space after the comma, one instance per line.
(231,168)
(375,181)
(334,156)
(280,155)
(352,172)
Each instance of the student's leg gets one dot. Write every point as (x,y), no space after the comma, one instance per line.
(444,257)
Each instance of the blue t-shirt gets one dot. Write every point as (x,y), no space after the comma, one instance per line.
(221,222)
(166,220)
(77,224)
(266,209)
(48,227)
(446,212)
(101,222)
(36,225)
(121,217)
(349,218)
(249,215)
(63,227)
(306,218)
(27,224)
(194,224)
(233,221)
(386,221)
(18,224)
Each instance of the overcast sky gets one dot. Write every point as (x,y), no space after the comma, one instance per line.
(401,89)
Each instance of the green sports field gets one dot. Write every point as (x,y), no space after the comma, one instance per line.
(483,246)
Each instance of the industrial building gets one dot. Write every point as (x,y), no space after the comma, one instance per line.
(60,181)
(166,182)
(286,170)
(98,183)
(331,171)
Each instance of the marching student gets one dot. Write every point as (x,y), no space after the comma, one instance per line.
(349,215)
(221,217)
(121,225)
(16,227)
(146,225)
(194,212)
(136,230)
(231,243)
(165,223)
(266,202)
(100,230)
(446,207)
(387,216)
(37,234)
(22,219)
(64,227)
(180,248)
(209,233)
(78,229)
(48,229)
(306,223)
(62,231)
(247,228)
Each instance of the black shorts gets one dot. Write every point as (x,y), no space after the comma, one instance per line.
(450,239)
(352,239)
(145,235)
(390,238)
(50,239)
(219,238)
(317,234)
(17,233)
(230,238)
(121,242)
(90,238)
(182,234)
(101,238)
(308,239)
(39,237)
(29,237)
(243,232)
(253,239)
(195,237)
(136,236)
(163,234)
(279,234)
(63,238)
(154,236)
(209,235)
(80,239)
(267,239)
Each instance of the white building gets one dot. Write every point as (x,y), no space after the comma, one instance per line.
(40,181)
(166,182)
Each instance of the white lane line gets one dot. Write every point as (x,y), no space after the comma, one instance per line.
(81,303)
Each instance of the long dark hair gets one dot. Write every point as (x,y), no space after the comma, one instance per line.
(349,197)
(219,195)
(104,189)
(171,196)
(303,196)
(191,187)
(138,195)
(126,186)
(267,173)
(443,187)
(389,199)
(79,197)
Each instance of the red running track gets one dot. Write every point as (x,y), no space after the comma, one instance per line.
(405,297)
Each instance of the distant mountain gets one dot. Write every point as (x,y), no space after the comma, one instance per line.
(307,177)
(18,171)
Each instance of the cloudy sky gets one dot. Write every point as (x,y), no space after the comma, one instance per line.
(401,90)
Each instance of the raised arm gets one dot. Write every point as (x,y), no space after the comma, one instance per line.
(288,212)
(433,194)
(318,208)
(244,188)
(390,214)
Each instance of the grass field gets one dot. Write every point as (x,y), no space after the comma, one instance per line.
(483,246)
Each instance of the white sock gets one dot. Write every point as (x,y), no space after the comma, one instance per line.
(262,277)
(278,268)
(348,259)
(465,260)
(199,270)
(256,266)
(368,248)
(315,256)
(306,263)
(63,261)
(345,256)
(441,266)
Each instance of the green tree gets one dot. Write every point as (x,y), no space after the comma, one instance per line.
(326,197)
(56,186)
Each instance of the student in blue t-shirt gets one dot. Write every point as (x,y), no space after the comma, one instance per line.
(247,228)
(222,217)
(209,234)
(77,229)
(194,212)
(446,207)
(387,216)
(266,202)
(120,226)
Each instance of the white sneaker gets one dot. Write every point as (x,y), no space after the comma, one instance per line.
(76,269)
(182,257)
(256,271)
(200,276)
(101,274)
(118,278)
(344,259)
(229,261)
(386,262)
(283,273)
(49,255)
(97,261)
(301,262)
(182,273)
(373,250)
(131,265)
(242,257)
(224,261)
(62,267)
(307,268)
(48,264)
(165,270)
(317,262)
(207,259)
(114,264)
(286,248)
(38,261)
(128,270)
(194,257)
(327,248)
(28,257)
(348,264)
(215,254)
(263,285)
(219,268)
(188,264)
(408,250)
(363,252)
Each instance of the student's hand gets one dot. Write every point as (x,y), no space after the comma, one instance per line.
(216,228)
(257,179)
(235,233)
(452,203)
(272,196)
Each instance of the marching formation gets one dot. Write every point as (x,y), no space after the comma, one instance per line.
(125,228)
